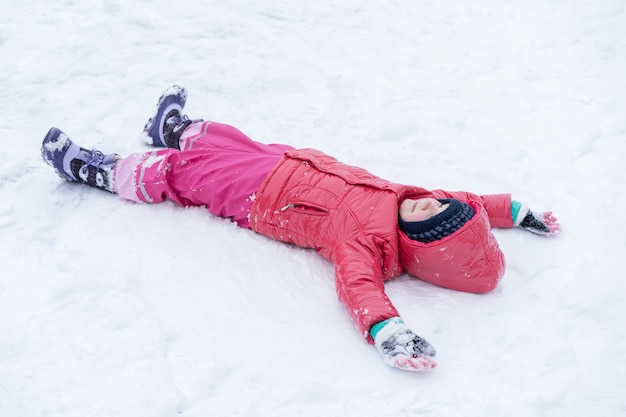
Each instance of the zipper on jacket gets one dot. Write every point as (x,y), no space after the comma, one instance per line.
(305,208)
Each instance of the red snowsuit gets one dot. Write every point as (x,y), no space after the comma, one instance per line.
(351,218)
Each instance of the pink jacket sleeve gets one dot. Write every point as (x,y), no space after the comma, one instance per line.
(498,206)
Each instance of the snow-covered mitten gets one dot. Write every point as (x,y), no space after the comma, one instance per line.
(544,223)
(401,348)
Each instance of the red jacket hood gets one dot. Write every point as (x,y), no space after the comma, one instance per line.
(468,260)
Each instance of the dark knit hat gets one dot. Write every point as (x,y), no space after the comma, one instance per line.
(443,224)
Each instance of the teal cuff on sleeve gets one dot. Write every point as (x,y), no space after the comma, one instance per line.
(515,207)
(379,326)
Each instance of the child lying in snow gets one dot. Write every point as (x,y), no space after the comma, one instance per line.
(370,228)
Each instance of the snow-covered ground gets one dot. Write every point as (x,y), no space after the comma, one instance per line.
(109,308)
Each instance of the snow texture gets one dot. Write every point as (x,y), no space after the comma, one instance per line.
(110,308)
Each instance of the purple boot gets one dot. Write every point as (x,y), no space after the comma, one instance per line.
(76,164)
(168,122)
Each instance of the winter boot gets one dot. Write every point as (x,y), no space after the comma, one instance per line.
(77,164)
(168,123)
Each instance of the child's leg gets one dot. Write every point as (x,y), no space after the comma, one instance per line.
(220,136)
(221,180)
(170,128)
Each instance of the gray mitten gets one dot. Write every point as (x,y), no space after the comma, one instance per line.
(403,349)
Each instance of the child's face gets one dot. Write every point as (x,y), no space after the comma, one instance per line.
(420,209)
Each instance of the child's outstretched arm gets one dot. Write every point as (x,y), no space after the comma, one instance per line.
(541,223)
(360,288)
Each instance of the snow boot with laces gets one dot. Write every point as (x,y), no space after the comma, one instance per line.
(166,126)
(76,164)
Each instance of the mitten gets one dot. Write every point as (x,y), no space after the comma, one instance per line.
(539,223)
(401,348)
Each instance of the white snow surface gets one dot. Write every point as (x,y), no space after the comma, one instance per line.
(109,308)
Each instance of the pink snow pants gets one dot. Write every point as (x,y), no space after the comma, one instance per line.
(218,167)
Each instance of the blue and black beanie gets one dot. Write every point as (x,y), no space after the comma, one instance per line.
(443,224)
